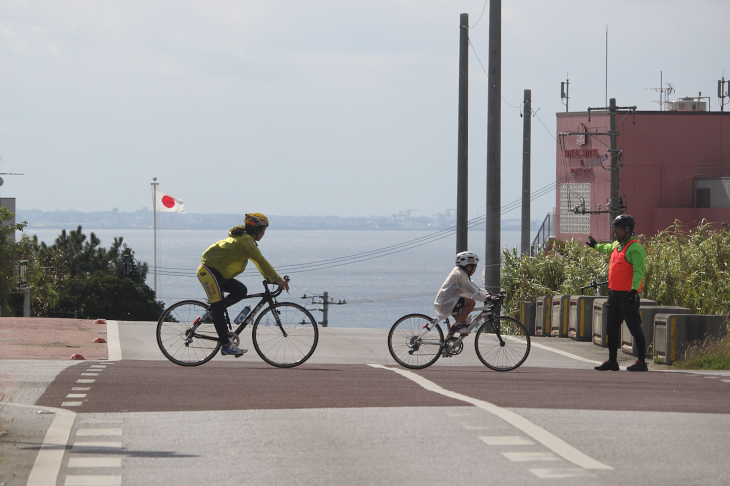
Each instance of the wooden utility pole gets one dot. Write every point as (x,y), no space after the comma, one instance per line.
(494,150)
(526,145)
(462,182)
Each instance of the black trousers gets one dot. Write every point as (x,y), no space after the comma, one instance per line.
(236,291)
(618,311)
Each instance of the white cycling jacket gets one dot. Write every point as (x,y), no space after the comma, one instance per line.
(457,284)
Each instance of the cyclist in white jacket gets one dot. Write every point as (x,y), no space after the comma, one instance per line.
(458,293)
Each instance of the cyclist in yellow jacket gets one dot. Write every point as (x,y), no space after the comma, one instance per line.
(625,281)
(226,259)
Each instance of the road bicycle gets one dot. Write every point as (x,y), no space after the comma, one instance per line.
(595,285)
(284,334)
(416,341)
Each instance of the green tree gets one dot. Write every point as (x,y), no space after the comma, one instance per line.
(9,257)
(101,295)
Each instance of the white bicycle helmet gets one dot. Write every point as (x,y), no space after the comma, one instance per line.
(466,258)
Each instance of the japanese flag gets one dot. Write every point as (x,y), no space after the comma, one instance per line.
(169,203)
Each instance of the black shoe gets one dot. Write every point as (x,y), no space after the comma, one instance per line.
(638,366)
(608,366)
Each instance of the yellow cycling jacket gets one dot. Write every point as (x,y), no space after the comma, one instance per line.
(230,257)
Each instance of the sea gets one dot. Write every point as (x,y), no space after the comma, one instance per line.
(372,277)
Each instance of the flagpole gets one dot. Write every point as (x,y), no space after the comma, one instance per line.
(154,218)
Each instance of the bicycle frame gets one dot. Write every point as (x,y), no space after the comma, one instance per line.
(267,297)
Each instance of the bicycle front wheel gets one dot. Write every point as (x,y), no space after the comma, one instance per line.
(285,335)
(412,345)
(176,338)
(502,344)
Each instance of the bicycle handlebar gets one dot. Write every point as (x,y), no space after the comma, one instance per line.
(278,291)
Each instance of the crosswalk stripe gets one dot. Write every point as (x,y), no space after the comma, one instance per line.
(507,440)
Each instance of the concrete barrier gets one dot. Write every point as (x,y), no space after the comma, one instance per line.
(560,314)
(673,333)
(647,326)
(543,313)
(600,320)
(580,317)
(527,316)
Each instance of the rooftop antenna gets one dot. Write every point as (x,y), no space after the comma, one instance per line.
(565,91)
(663,92)
(7,173)
(606,65)
(723,92)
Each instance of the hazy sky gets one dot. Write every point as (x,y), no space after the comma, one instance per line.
(314,107)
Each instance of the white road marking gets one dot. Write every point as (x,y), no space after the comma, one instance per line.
(564,353)
(530,456)
(89,374)
(95,462)
(48,461)
(506,440)
(100,421)
(93,481)
(83,380)
(726,381)
(96,432)
(81,388)
(101,446)
(76,395)
(555,444)
(113,345)
(98,366)
(557,473)
(71,404)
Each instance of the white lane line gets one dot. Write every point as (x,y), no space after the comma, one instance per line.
(530,456)
(81,388)
(83,380)
(726,381)
(96,432)
(555,444)
(98,366)
(89,374)
(113,345)
(506,440)
(100,446)
(563,353)
(76,395)
(48,461)
(557,473)
(95,462)
(71,404)
(93,481)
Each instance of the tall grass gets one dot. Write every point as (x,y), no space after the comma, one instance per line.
(684,267)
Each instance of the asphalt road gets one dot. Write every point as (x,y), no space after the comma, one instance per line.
(351,416)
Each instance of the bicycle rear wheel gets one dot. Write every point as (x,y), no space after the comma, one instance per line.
(289,345)
(503,351)
(176,338)
(412,345)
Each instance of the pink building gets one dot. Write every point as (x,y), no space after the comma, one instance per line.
(674,165)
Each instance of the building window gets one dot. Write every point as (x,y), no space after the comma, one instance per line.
(712,192)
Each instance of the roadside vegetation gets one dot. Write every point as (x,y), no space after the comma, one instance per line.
(75,277)
(684,267)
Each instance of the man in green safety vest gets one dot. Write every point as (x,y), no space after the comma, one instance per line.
(625,280)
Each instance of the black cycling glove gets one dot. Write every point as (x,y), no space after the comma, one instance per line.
(632,297)
(591,242)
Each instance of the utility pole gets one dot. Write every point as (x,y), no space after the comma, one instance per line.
(494,150)
(326,303)
(614,202)
(526,145)
(462,183)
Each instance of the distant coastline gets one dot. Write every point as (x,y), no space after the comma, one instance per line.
(142,219)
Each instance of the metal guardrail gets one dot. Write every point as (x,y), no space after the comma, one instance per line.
(544,234)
